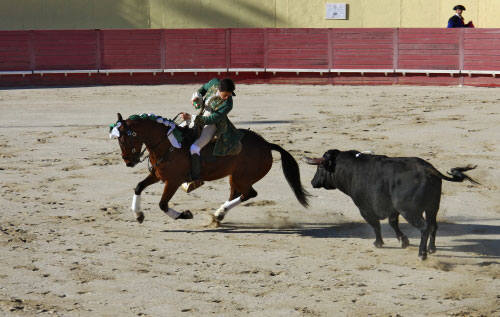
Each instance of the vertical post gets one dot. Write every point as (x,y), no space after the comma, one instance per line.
(228,48)
(32,50)
(98,49)
(266,48)
(163,49)
(330,55)
(461,53)
(395,52)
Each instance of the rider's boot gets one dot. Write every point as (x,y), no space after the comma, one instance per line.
(195,174)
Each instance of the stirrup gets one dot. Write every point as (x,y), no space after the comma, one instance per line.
(189,187)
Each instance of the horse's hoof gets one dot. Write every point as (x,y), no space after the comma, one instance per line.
(422,257)
(213,223)
(139,216)
(404,242)
(186,215)
(378,244)
(431,250)
(219,217)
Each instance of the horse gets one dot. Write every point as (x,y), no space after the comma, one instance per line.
(170,163)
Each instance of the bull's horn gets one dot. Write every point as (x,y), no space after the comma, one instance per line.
(314,161)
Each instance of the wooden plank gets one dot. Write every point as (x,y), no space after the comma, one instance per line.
(15,50)
(131,49)
(64,50)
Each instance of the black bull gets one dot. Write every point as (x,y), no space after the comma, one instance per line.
(382,187)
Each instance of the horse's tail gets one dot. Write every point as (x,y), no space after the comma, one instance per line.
(457,174)
(292,175)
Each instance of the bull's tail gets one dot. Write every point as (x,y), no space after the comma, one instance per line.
(458,175)
(292,175)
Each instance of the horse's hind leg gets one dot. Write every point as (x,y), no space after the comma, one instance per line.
(136,201)
(234,199)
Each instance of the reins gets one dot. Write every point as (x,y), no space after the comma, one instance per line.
(164,156)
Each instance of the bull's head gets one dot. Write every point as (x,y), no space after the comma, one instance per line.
(324,177)
(130,143)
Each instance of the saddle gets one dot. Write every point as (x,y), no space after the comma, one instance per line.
(192,134)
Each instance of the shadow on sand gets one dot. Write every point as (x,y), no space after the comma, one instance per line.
(478,242)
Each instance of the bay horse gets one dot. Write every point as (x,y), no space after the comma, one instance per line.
(172,165)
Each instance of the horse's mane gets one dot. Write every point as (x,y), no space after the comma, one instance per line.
(182,133)
(152,117)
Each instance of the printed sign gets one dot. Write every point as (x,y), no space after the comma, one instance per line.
(336,11)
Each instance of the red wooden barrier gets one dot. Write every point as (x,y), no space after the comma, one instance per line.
(297,48)
(482,49)
(15,51)
(418,56)
(247,48)
(200,48)
(429,48)
(131,49)
(363,48)
(65,50)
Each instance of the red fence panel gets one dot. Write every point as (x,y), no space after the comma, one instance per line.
(247,48)
(131,49)
(421,50)
(482,49)
(200,48)
(363,48)
(298,48)
(429,49)
(15,51)
(65,50)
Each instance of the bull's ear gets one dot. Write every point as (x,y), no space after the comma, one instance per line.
(119,117)
(314,161)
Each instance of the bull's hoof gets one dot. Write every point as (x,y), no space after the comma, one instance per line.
(186,215)
(422,257)
(139,216)
(432,249)
(378,244)
(404,242)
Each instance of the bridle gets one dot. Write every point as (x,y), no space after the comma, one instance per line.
(130,133)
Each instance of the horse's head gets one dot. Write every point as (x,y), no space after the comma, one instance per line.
(130,143)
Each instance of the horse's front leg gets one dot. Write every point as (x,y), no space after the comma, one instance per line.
(136,201)
(168,192)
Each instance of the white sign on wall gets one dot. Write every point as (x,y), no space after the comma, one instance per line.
(336,11)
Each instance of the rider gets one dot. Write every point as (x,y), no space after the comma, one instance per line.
(215,99)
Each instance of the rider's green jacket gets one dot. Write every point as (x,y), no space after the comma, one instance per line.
(227,135)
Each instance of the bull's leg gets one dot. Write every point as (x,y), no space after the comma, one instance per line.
(430,217)
(169,191)
(375,223)
(417,220)
(136,200)
(394,222)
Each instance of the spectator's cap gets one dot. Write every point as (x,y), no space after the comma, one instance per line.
(459,7)
(227,84)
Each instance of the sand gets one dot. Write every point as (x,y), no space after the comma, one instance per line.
(70,245)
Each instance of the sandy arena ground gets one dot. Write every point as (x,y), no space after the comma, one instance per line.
(70,246)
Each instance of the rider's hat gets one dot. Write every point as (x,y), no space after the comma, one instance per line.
(459,7)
